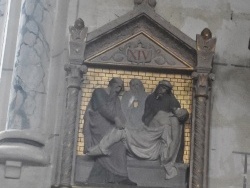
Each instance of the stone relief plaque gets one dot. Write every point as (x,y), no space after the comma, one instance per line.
(145,129)
(142,40)
(140,50)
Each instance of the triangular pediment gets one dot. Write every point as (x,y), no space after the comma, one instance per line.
(140,49)
(141,38)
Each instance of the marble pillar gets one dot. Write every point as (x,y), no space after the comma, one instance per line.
(29,82)
(23,141)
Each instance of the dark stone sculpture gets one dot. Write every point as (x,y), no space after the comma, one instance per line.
(103,114)
(160,137)
(77,31)
(162,99)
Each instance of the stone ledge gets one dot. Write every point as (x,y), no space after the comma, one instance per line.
(144,173)
(27,154)
(23,146)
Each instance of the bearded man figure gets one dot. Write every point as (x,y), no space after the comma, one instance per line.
(102,115)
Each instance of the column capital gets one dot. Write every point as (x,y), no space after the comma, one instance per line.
(202,83)
(74,75)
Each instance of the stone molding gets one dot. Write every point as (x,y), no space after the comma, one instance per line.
(151,3)
(21,148)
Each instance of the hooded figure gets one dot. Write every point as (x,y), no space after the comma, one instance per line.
(102,115)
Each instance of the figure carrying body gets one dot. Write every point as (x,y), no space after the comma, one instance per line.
(102,115)
(160,136)
(162,99)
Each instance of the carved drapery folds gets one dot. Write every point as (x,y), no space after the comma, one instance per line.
(202,80)
(74,72)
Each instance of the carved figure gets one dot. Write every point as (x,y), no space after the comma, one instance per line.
(102,115)
(133,103)
(162,99)
(77,31)
(160,137)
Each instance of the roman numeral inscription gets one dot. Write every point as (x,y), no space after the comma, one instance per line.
(139,55)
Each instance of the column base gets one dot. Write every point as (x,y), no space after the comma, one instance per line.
(61,186)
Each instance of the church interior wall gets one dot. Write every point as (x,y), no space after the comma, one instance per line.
(229,22)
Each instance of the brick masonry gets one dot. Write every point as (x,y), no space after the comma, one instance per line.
(99,78)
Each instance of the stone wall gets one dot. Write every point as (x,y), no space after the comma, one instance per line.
(98,78)
(229,22)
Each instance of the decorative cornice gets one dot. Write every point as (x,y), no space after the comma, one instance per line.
(151,3)
(172,53)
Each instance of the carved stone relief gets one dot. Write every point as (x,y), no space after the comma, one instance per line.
(132,28)
(153,135)
(140,39)
(140,50)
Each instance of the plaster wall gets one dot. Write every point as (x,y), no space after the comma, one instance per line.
(229,22)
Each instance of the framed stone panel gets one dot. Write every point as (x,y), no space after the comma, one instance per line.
(140,45)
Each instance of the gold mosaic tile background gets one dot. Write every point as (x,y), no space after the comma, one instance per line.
(99,78)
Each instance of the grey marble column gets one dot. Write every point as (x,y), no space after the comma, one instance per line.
(23,141)
(29,82)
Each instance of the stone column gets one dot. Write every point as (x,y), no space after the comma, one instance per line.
(202,81)
(29,81)
(25,121)
(75,69)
